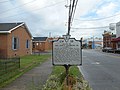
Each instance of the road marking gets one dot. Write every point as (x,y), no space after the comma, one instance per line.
(97,63)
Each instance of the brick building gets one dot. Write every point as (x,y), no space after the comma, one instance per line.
(41,44)
(15,40)
(117,39)
(107,40)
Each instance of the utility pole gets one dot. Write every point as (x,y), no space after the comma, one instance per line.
(93,43)
(69,19)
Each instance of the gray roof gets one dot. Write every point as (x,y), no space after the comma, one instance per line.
(8,26)
(39,38)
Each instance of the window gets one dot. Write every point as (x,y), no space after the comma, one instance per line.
(27,44)
(37,44)
(15,43)
(33,44)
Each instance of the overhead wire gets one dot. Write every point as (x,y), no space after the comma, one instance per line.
(16,7)
(4,1)
(97,19)
(69,18)
(72,9)
(91,27)
(35,9)
(72,13)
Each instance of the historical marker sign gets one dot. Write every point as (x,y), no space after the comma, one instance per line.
(67,52)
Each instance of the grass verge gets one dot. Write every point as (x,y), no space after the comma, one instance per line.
(57,80)
(26,63)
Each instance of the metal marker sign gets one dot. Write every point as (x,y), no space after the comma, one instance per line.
(67,52)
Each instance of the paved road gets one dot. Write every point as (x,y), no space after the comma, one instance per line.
(33,79)
(101,70)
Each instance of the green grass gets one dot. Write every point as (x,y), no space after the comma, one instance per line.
(74,71)
(58,75)
(56,79)
(26,63)
(32,60)
(59,72)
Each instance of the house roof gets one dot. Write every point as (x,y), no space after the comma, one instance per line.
(39,38)
(9,27)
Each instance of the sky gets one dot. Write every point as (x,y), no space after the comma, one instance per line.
(50,17)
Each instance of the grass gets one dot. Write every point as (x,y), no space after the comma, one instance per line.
(74,71)
(59,72)
(56,81)
(32,60)
(26,63)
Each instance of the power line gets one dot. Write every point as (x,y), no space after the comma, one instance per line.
(4,1)
(35,9)
(74,11)
(17,7)
(20,6)
(69,18)
(91,27)
(99,18)
(72,8)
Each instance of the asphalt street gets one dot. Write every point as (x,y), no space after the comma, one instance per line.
(101,70)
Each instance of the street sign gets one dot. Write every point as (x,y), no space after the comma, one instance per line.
(67,52)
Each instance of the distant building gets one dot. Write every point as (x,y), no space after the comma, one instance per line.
(41,44)
(117,39)
(15,40)
(84,43)
(93,42)
(117,29)
(107,39)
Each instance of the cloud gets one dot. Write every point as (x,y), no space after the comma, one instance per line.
(98,10)
(85,6)
(45,16)
(106,10)
(52,14)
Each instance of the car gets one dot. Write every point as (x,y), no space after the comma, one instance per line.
(107,49)
(117,50)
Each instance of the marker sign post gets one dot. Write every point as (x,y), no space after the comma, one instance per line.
(67,51)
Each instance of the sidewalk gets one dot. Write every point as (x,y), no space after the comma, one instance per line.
(33,79)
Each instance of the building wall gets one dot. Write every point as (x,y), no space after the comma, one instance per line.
(23,36)
(48,44)
(3,45)
(42,45)
(113,45)
(118,30)
(106,40)
(38,46)
(90,44)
